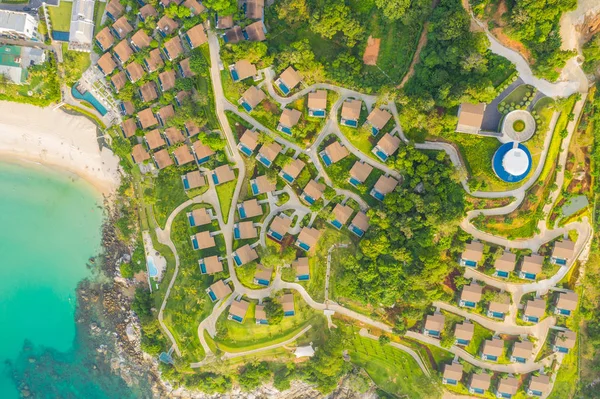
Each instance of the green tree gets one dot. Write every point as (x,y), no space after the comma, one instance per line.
(254,375)
(274,311)
(393,9)
(336,17)
(293,11)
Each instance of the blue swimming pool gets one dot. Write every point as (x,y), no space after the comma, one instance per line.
(286,130)
(186,183)
(152,270)
(326,159)
(60,36)
(287,177)
(304,277)
(469,304)
(491,358)
(377,195)
(353,181)
(237,318)
(532,319)
(529,276)
(246,106)
(357,231)
(275,235)
(374,131)
(497,163)
(255,190)
(469,263)
(309,199)
(215,179)
(559,261)
(236,233)
(564,312)
(203,160)
(318,112)
(289,313)
(242,212)
(501,273)
(350,123)
(87,96)
(381,155)
(212,296)
(203,268)
(263,282)
(195,243)
(245,150)
(284,89)
(264,161)
(304,246)
(337,224)
(461,341)
(498,315)
(235,75)
(237,260)
(191,220)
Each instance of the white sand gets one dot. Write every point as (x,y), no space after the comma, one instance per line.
(55,138)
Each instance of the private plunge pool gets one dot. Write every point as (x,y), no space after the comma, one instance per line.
(87,96)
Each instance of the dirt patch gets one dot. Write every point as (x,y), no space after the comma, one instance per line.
(512,44)
(372,51)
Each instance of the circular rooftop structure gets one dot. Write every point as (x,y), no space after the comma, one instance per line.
(512,162)
(518,125)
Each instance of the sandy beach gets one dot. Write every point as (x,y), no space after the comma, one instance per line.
(57,139)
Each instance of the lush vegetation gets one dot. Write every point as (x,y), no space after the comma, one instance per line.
(74,64)
(42,87)
(591,53)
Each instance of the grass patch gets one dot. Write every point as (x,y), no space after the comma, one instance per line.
(480,334)
(167,193)
(225,193)
(516,97)
(60,17)
(98,11)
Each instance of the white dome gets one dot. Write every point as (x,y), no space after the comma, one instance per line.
(515,162)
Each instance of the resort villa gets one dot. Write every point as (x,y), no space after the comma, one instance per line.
(360,224)
(479,383)
(254,8)
(386,147)
(233,35)
(119,80)
(191,128)
(333,153)
(154,140)
(194,7)
(507,387)
(162,159)
(471,295)
(249,209)
(359,173)
(251,98)
(166,80)
(498,310)
(248,142)
(244,255)
(261,185)
(238,310)
(521,351)
(121,28)
(148,92)
(255,32)
(302,268)
(288,80)
(135,72)
(147,11)
(105,39)
(317,103)
(534,310)
(210,265)
(126,108)
(218,290)
(267,153)
(139,154)
(199,217)
(181,97)
(566,303)
(222,174)
(260,315)
(106,64)
(173,136)
(288,119)
(183,155)
(463,333)
(351,113)
(291,170)
(114,9)
(279,227)
(173,48)
(185,70)
(202,152)
(531,267)
(244,231)
(538,385)
(492,349)
(128,127)
(564,341)
(383,186)
(140,40)
(563,252)
(287,301)
(166,26)
(472,254)
(154,61)
(202,240)
(196,36)
(470,118)
(193,180)
(308,238)
(377,119)
(340,215)
(505,264)
(453,373)
(242,70)
(262,276)
(434,325)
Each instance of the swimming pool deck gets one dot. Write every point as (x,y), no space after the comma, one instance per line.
(159,261)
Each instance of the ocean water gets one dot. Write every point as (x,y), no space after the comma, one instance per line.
(50,225)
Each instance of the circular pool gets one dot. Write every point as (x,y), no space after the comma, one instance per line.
(512,162)
(518,125)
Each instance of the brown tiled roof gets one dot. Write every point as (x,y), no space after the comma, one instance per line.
(139,153)
(494,347)
(566,339)
(224,173)
(471,115)
(225,22)
(202,150)
(148,11)
(539,383)
(249,139)
(290,78)
(129,127)
(435,322)
(154,139)
(499,307)
(185,68)
(205,240)
(147,118)
(361,220)
(309,236)
(129,107)
(162,159)
(195,179)
(535,308)
(314,190)
(115,8)
(270,151)
(192,128)
(174,135)
(253,96)
(289,117)
(473,251)
(293,168)
(509,385)
(246,254)
(506,262)
(302,266)
(256,32)
(567,300)
(148,92)
(141,39)
(197,36)
(259,313)
(195,7)
(264,184)
(123,51)
(361,171)
(281,224)
(263,273)
(234,35)
(119,80)
(239,308)
(385,184)
(453,371)
(464,331)
(336,151)
(212,264)
(167,80)
(174,47)
(522,349)
(379,118)
(342,213)
(167,25)
(255,9)
(287,301)
(154,61)
(532,264)
(105,38)
(201,216)
(351,109)
(107,64)
(247,230)
(182,96)
(471,293)
(220,289)
(317,99)
(245,69)
(480,381)
(136,71)
(563,249)
(183,155)
(389,144)
(252,208)
(371,51)
(122,27)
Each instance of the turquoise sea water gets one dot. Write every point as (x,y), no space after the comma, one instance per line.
(50,225)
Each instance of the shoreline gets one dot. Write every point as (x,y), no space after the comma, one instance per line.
(60,141)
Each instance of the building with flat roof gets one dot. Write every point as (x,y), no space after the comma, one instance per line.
(18,25)
(14,61)
(470,118)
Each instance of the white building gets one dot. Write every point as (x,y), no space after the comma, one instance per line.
(81,33)
(17,24)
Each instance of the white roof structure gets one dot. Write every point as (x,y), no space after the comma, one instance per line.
(17,23)
(81,33)
(304,351)
(515,162)
(12,73)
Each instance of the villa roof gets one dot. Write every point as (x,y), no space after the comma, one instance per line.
(385,184)
(129,127)
(191,128)
(256,32)
(122,27)
(470,116)
(532,264)
(287,301)
(317,99)
(539,383)
(128,107)
(107,63)
(389,144)
(464,331)
(535,307)
(435,322)
(167,80)
(105,38)
(174,135)
(181,96)
(566,339)
(499,307)
(234,35)
(174,47)
(290,77)
(263,273)
(115,8)
(255,9)
(213,264)
(252,208)
(270,151)
(195,179)
(302,266)
(259,313)
(509,385)
(154,61)
(473,251)
(166,112)
(224,173)
(220,289)
(314,189)
(140,39)
(293,168)
(290,117)
(162,159)
(148,11)
(197,36)
(481,381)
(379,118)
(567,300)
(225,22)
(246,254)
(147,118)
(247,230)
(202,150)
(253,96)
(453,371)
(361,170)
(183,155)
(309,236)
(245,69)
(195,7)
(154,139)
(119,80)
(139,153)
(249,139)
(167,25)
(205,240)
(336,151)
(342,213)
(201,216)
(185,68)
(563,249)
(239,308)
(506,262)
(361,220)
(264,184)
(281,224)
(136,71)
(522,349)
(493,347)
(148,92)
(351,109)
(471,292)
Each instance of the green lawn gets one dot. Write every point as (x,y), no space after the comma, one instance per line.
(516,96)
(167,193)
(98,11)
(480,334)
(225,193)
(60,16)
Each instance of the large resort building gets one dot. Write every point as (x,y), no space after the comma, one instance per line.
(18,25)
